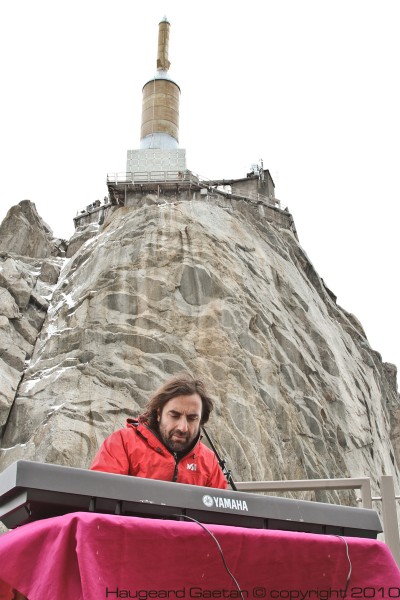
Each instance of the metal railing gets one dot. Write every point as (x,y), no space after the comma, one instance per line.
(151,177)
(274,202)
(388,498)
(245,195)
(142,177)
(389,515)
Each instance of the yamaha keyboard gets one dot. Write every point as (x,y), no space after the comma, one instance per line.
(30,491)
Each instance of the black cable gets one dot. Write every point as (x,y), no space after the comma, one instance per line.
(350,565)
(222,463)
(218,546)
(231,574)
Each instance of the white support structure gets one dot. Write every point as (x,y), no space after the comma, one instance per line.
(301,485)
(389,515)
(388,498)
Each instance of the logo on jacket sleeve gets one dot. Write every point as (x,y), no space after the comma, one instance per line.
(191,466)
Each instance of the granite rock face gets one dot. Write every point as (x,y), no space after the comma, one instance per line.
(29,268)
(191,285)
(25,233)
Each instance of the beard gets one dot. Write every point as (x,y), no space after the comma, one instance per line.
(176,441)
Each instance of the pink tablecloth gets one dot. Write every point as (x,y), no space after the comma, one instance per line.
(95,557)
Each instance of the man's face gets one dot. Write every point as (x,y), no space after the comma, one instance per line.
(179,421)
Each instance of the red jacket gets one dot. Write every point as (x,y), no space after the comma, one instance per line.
(135,450)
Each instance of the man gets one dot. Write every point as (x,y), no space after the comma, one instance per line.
(164,443)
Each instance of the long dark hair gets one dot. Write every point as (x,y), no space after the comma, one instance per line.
(180,384)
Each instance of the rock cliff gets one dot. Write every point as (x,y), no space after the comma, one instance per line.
(169,285)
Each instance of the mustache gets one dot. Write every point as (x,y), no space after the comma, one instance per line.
(178,433)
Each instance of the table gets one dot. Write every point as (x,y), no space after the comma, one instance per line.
(92,556)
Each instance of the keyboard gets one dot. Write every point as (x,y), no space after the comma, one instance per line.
(30,491)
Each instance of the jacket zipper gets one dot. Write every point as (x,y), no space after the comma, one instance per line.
(175,476)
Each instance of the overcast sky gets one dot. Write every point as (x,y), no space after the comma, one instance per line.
(309,86)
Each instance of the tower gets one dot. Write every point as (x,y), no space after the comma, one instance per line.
(159,135)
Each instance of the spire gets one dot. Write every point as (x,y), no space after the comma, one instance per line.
(159,132)
(163,63)
(160,105)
